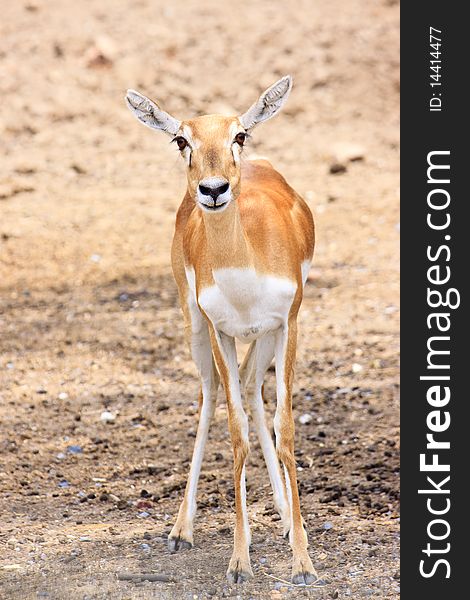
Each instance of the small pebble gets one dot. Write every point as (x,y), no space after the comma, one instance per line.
(144,514)
(337,168)
(74,449)
(63,396)
(305,419)
(356,368)
(328,525)
(107,417)
(63,484)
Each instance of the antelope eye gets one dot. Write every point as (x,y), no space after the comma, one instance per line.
(181,142)
(240,138)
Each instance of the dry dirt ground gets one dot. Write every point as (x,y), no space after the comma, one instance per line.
(89,318)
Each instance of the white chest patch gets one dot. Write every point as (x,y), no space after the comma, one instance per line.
(245,304)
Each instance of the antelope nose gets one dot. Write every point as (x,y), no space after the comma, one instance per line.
(214,191)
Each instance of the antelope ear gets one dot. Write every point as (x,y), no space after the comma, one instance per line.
(268,104)
(150,114)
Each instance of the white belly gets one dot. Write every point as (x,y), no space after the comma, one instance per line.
(245,304)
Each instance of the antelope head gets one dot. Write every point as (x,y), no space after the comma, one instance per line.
(211,145)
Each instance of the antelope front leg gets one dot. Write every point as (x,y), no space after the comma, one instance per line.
(181,535)
(286,341)
(239,569)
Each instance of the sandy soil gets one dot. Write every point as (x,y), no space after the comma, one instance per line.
(89,319)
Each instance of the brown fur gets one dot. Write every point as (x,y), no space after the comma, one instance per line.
(267,226)
(270,228)
(262,225)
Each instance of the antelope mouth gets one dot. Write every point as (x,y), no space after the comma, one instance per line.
(213,207)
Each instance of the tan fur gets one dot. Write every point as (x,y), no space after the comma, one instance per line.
(270,228)
(266,228)
(212,152)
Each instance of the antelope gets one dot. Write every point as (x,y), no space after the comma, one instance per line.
(241,252)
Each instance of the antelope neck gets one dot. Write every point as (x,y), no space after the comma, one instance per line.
(226,240)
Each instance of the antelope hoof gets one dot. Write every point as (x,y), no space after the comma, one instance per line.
(303,572)
(304,578)
(178,543)
(239,571)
